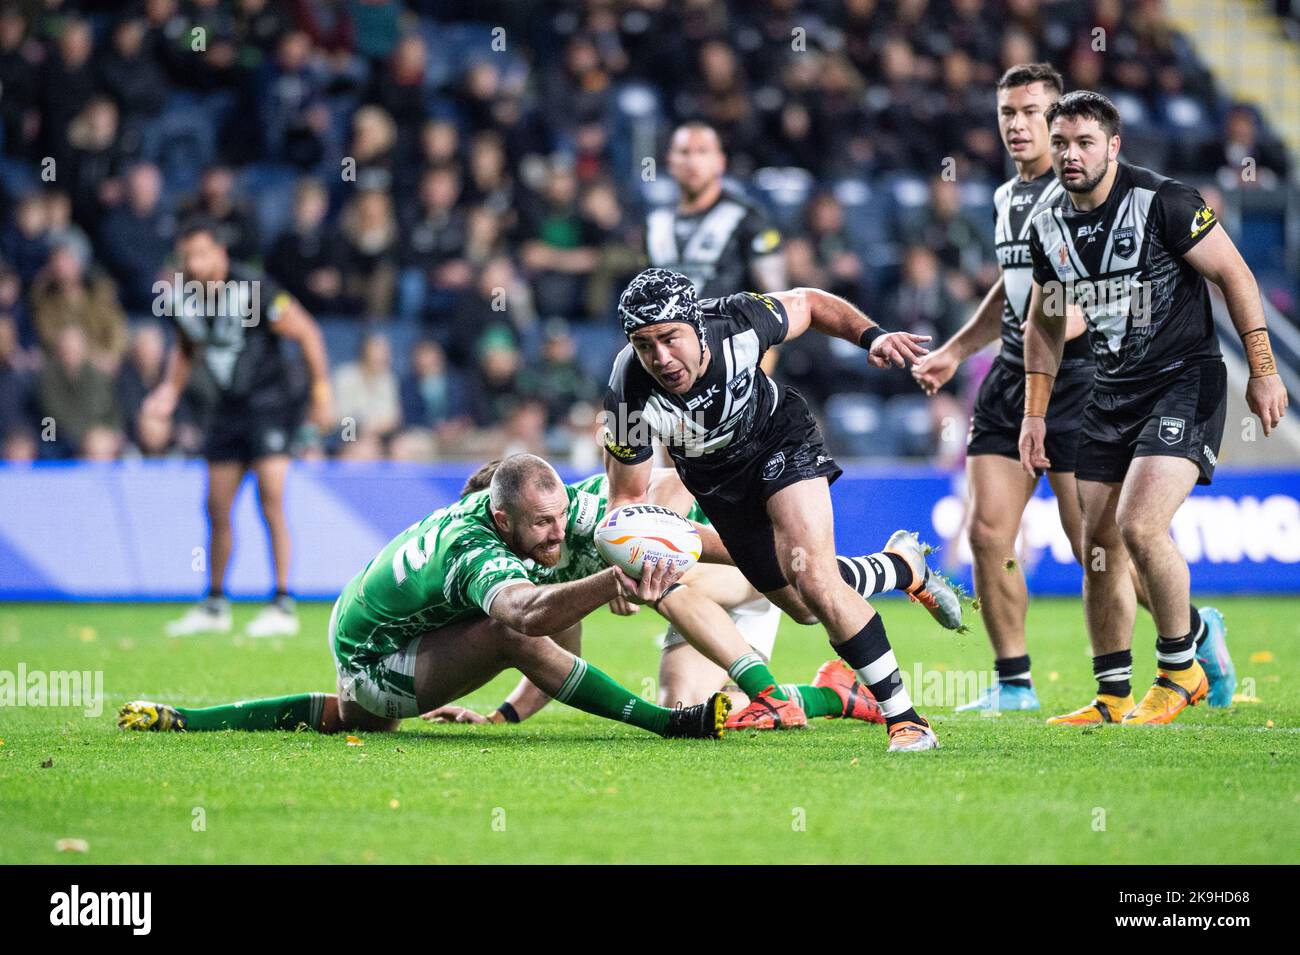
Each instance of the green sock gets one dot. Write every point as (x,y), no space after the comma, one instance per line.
(815,700)
(274,713)
(588,689)
(752,675)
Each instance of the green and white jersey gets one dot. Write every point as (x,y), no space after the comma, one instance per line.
(598,484)
(448,568)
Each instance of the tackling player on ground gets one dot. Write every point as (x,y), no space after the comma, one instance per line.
(751,454)
(712,638)
(1133,250)
(451,602)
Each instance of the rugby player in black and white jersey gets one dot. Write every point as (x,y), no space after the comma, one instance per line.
(723,243)
(751,453)
(237,334)
(1133,250)
(999,489)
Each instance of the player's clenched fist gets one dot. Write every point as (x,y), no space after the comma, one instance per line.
(897,348)
(1266,397)
(1033,439)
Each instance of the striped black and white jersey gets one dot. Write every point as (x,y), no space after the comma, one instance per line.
(230,326)
(1147,309)
(713,248)
(1015,204)
(721,420)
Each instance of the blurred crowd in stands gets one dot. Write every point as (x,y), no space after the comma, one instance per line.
(457,190)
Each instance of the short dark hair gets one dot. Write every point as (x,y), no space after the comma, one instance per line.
(198,225)
(514,474)
(1085,104)
(1025,73)
(481,479)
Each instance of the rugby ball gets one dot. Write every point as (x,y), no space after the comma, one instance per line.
(634,534)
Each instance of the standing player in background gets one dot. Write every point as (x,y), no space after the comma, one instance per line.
(999,490)
(1133,250)
(237,334)
(715,236)
(751,454)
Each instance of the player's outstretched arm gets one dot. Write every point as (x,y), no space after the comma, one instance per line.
(1216,257)
(831,315)
(982,329)
(296,325)
(541,610)
(1045,332)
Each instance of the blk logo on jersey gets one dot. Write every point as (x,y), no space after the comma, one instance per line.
(1125,243)
(1171,430)
(702,401)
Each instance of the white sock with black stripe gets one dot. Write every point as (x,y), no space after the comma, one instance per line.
(869,654)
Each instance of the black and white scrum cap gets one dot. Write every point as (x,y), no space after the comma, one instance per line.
(660,295)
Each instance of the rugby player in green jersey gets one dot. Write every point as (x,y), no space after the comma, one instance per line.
(452,601)
(718,632)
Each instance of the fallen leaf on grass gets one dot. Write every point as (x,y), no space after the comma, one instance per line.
(72,845)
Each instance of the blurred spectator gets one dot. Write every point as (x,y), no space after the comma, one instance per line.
(19,447)
(500,300)
(67,82)
(834,250)
(370,252)
(66,294)
(75,395)
(921,305)
(958,242)
(365,391)
(60,228)
(401,88)
(433,267)
(309,259)
(490,184)
(94,158)
(374,140)
(495,388)
(20,77)
(559,244)
(16,409)
(433,395)
(24,243)
(130,73)
(558,381)
(136,238)
(1242,149)
(259,24)
(236,226)
(293,117)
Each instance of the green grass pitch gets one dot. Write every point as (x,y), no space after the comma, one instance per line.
(1217,786)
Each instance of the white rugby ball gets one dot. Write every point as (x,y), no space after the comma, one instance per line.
(634,534)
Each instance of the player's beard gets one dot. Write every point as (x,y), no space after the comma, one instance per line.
(1087,183)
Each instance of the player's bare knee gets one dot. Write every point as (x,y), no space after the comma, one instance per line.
(989,537)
